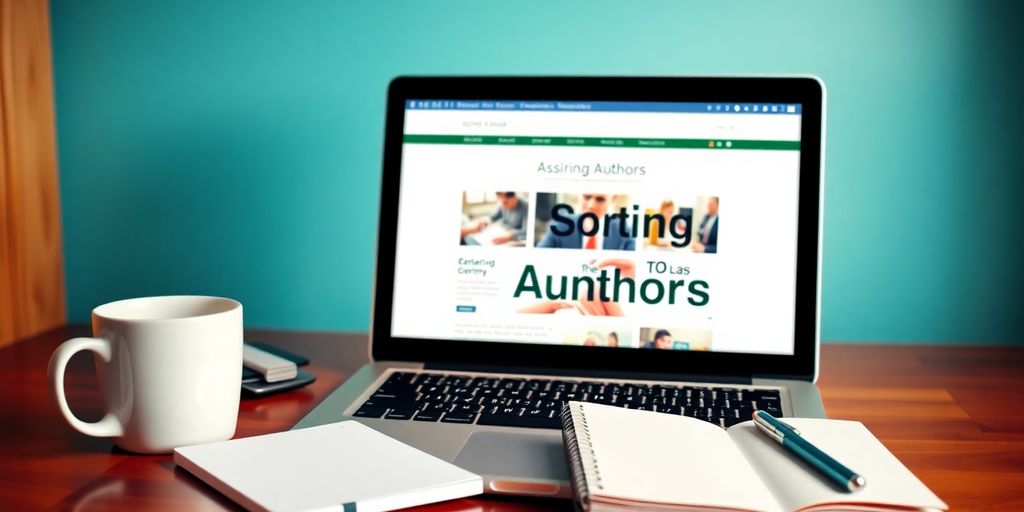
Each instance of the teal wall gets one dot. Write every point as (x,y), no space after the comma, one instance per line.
(233,147)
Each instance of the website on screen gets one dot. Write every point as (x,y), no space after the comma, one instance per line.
(599,224)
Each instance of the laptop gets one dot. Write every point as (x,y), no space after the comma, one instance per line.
(644,242)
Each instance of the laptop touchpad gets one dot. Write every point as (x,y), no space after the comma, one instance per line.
(514,455)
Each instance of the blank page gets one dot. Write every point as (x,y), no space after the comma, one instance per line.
(890,483)
(659,458)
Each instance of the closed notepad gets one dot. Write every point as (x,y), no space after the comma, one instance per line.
(623,459)
(342,466)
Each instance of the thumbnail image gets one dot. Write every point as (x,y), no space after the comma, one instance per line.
(599,337)
(706,236)
(675,338)
(494,218)
(668,224)
(589,220)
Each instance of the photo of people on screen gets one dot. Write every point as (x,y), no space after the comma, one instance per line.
(667,224)
(584,295)
(590,220)
(675,338)
(707,233)
(598,337)
(494,218)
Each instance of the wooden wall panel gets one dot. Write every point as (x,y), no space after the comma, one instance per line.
(31,260)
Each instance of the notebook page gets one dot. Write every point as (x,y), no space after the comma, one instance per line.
(653,457)
(796,486)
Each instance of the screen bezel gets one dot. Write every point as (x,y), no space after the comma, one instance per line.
(806,91)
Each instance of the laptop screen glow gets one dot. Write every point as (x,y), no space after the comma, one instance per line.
(599,224)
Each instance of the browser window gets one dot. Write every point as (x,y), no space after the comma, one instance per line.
(599,224)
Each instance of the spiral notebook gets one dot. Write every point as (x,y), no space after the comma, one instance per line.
(623,459)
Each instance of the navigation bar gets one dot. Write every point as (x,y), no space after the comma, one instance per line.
(611,142)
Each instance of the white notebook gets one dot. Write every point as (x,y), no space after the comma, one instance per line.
(342,466)
(625,459)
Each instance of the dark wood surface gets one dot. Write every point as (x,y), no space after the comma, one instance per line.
(953,415)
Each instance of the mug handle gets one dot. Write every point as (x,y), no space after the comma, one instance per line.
(109,426)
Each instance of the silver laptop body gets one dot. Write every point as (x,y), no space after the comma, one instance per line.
(473,313)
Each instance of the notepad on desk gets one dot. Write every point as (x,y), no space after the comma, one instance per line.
(624,459)
(341,466)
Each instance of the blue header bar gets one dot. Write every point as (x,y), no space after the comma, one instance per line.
(606,106)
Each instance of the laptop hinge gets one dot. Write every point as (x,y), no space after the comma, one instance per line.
(766,376)
(575,372)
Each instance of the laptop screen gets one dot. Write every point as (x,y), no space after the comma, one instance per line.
(636,225)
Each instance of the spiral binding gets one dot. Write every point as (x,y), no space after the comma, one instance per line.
(580,457)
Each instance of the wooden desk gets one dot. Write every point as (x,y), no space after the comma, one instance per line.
(954,415)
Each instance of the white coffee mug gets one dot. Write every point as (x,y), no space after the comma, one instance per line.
(170,369)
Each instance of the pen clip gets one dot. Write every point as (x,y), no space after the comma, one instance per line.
(767,427)
(787,425)
(791,427)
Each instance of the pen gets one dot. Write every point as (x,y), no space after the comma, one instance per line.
(790,439)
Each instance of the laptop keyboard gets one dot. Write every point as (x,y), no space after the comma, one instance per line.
(537,403)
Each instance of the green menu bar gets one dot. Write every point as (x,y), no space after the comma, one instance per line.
(516,140)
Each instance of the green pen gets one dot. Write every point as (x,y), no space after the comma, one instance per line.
(789,437)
